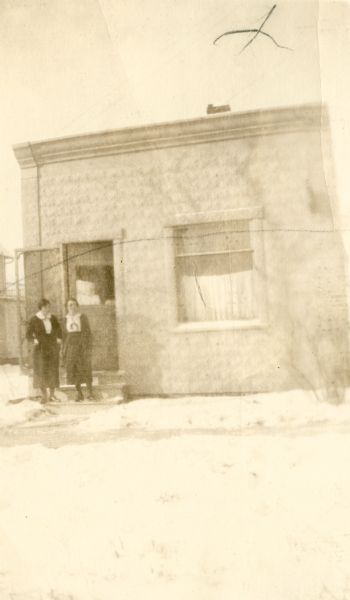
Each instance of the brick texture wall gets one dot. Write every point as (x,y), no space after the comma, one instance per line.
(304,340)
(9,346)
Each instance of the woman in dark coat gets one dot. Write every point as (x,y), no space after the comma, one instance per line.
(77,348)
(44,331)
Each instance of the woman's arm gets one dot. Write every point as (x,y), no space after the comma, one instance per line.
(30,332)
(57,328)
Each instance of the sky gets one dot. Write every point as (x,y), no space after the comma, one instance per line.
(75,66)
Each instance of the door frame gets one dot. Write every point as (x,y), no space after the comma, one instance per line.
(21,252)
(119,288)
(118,279)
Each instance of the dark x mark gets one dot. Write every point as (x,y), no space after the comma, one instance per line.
(255,31)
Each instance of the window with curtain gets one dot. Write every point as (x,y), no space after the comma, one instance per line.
(214,271)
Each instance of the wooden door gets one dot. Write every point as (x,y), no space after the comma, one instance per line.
(90,280)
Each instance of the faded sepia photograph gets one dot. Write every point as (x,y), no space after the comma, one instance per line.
(174,300)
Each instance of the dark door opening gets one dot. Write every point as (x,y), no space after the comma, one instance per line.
(84,271)
(90,279)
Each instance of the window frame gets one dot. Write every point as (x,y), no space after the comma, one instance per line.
(256,226)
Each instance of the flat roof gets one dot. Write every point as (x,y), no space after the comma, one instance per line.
(217,127)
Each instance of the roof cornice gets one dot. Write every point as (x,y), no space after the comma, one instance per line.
(165,135)
(24,155)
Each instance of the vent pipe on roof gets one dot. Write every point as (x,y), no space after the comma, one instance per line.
(213,110)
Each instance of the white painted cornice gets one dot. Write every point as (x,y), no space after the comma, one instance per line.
(165,135)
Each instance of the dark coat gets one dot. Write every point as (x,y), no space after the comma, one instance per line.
(45,352)
(76,353)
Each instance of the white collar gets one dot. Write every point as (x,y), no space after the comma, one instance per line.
(41,315)
(76,316)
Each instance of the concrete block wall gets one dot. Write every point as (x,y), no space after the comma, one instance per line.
(142,192)
(9,344)
(30,207)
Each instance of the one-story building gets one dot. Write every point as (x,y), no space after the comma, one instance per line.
(204,252)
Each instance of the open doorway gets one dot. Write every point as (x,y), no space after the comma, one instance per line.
(89,277)
(85,271)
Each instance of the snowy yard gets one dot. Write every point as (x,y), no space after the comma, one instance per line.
(251,513)
(284,409)
(189,517)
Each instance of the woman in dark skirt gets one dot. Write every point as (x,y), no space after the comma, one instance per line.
(77,348)
(45,333)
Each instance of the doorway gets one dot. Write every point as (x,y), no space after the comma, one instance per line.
(89,277)
(85,271)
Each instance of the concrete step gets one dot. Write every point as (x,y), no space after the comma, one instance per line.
(109,377)
(107,385)
(102,393)
(102,378)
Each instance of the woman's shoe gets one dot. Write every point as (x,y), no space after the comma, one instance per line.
(43,397)
(52,397)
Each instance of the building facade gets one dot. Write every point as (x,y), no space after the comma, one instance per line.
(203,251)
(9,314)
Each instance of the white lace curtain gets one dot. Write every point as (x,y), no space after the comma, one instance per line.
(216,287)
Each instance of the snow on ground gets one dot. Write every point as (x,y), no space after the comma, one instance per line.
(193,516)
(13,385)
(294,408)
(187,516)
(15,414)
